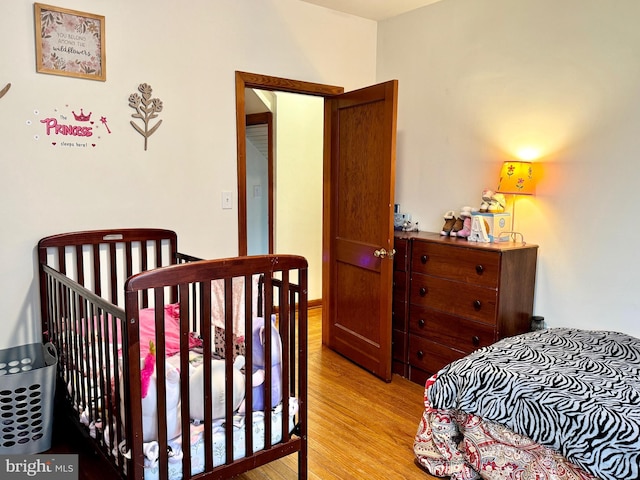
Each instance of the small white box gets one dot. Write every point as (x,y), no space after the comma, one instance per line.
(496,224)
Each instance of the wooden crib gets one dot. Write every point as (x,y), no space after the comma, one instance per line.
(129,315)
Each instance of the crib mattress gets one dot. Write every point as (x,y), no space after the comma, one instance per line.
(152,467)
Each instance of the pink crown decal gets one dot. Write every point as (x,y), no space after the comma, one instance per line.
(82,117)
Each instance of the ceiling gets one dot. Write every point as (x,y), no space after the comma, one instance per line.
(373,9)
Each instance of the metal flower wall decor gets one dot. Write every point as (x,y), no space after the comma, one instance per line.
(147,109)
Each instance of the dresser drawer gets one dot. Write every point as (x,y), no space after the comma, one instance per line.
(398,315)
(430,356)
(456,263)
(400,259)
(456,332)
(463,299)
(400,286)
(399,349)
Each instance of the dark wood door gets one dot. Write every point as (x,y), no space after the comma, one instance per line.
(360,144)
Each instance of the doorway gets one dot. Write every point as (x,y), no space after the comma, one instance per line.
(279,96)
(272,84)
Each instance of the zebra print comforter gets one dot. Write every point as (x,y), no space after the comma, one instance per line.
(573,391)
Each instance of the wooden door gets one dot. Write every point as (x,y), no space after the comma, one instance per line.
(359,158)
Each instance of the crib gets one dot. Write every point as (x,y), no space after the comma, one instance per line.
(165,360)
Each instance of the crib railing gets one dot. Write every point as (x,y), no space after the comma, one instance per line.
(291,303)
(84,328)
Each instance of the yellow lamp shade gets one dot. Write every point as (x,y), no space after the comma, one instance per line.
(517,178)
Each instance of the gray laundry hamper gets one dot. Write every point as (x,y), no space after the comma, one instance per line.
(27,388)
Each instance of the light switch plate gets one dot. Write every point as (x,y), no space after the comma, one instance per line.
(226,201)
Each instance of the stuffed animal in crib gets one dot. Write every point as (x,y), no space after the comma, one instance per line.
(259,363)
(492,202)
(149,394)
(196,388)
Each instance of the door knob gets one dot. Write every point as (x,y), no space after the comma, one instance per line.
(382,253)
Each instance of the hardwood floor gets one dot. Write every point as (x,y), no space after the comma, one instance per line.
(359,426)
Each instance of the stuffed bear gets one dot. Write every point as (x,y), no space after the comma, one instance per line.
(492,202)
(196,388)
(259,363)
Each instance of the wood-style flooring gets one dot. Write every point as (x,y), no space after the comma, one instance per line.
(359,426)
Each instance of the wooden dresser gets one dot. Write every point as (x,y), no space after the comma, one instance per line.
(455,296)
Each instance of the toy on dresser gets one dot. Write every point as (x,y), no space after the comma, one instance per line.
(492,202)
(490,224)
(457,226)
(469,223)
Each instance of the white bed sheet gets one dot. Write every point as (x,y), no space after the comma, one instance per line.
(152,468)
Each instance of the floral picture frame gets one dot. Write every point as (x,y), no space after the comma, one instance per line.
(69,43)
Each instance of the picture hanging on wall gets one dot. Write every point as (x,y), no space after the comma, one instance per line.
(69,43)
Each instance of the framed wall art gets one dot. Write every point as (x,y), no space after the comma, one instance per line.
(69,43)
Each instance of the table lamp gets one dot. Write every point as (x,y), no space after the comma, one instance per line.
(516,178)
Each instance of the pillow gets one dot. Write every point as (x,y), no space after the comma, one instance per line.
(171,330)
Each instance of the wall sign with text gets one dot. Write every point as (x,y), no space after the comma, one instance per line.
(69,43)
(69,127)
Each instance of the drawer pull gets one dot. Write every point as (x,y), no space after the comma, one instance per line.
(479,269)
(476,341)
(421,323)
(477,305)
(424,258)
(423,291)
(420,354)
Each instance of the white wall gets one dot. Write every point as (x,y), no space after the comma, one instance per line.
(480,79)
(299,175)
(188,53)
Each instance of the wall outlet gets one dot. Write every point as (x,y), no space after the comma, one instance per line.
(226,201)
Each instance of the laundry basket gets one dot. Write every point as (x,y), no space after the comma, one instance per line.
(27,388)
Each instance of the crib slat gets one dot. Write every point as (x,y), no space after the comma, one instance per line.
(113,279)
(97,284)
(207,346)
(228,368)
(248,326)
(248,338)
(284,326)
(132,387)
(185,314)
(268,378)
(79,265)
(303,332)
(161,380)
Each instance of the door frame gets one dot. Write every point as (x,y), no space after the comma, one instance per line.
(265,82)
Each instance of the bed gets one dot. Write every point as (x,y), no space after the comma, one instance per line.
(165,360)
(552,404)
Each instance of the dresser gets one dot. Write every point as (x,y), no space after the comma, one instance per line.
(455,296)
